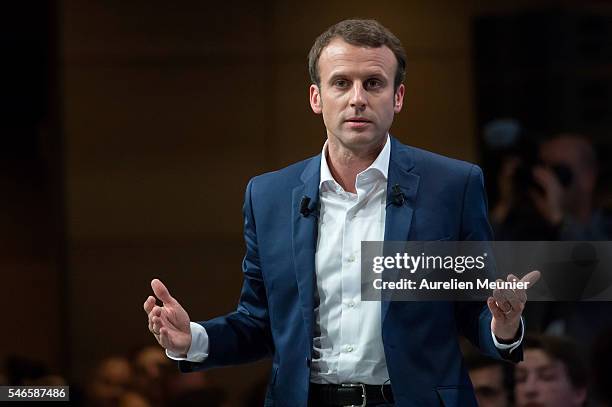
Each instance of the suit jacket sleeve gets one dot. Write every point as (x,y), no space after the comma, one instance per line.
(474,318)
(243,335)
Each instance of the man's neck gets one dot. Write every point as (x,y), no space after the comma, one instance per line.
(344,163)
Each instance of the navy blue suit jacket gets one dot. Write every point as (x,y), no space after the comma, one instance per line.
(444,199)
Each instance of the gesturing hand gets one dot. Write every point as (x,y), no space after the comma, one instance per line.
(170,322)
(507,306)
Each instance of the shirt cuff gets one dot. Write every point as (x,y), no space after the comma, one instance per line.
(198,351)
(510,346)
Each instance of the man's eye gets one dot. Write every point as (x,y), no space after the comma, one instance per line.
(373,84)
(341,83)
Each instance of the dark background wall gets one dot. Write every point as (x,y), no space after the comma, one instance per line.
(156,115)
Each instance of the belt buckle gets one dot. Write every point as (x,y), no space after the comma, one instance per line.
(363,393)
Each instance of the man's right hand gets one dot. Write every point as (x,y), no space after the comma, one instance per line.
(170,322)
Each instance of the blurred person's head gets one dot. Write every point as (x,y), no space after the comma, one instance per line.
(552,374)
(573,158)
(491,379)
(151,371)
(110,380)
(601,363)
(151,363)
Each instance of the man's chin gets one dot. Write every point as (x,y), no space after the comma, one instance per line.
(359,140)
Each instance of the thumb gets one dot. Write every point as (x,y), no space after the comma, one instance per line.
(161,291)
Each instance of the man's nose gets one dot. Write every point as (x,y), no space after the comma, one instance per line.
(358,96)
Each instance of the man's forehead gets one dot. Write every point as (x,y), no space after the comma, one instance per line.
(339,55)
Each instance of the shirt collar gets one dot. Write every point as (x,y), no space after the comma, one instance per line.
(381,164)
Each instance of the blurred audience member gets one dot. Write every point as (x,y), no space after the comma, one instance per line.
(157,382)
(492,380)
(552,374)
(568,177)
(151,368)
(550,194)
(110,381)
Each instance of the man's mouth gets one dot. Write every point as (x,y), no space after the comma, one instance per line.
(357,123)
(358,120)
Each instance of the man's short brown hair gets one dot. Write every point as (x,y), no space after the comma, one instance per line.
(368,33)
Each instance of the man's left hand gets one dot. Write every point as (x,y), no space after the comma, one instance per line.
(507,306)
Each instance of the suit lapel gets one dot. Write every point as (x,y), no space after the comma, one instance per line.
(305,239)
(398,218)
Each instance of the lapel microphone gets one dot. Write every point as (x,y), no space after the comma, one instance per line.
(397,196)
(304,209)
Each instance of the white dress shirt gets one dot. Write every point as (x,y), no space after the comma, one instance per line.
(347,345)
(347,342)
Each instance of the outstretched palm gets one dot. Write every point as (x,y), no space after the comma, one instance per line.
(170,322)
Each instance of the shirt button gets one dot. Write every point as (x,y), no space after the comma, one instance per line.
(349,348)
(351,304)
(351,259)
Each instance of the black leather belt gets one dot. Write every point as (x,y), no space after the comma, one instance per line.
(349,394)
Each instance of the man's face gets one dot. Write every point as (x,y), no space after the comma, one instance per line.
(543,382)
(356,96)
(489,387)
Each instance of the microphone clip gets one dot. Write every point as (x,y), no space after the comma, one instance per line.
(397,196)
(304,208)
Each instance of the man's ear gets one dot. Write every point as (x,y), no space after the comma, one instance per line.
(398,98)
(315,99)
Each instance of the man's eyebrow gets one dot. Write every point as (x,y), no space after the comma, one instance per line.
(369,75)
(337,75)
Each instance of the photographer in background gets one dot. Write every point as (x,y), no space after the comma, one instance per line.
(551,195)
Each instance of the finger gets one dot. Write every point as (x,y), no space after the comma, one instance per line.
(152,328)
(158,324)
(500,299)
(532,277)
(518,292)
(164,338)
(516,307)
(162,314)
(161,291)
(149,304)
(510,300)
(495,310)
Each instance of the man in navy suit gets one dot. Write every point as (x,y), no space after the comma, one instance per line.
(303,225)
